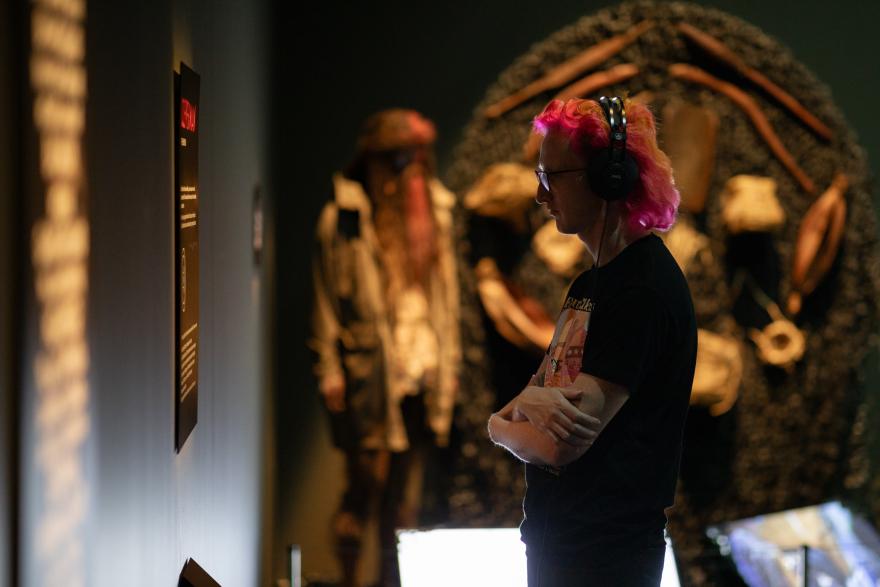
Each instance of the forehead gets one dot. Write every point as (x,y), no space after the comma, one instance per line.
(556,151)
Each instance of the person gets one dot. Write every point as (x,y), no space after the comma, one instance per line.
(600,424)
(386,328)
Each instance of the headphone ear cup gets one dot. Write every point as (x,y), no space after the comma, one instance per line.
(612,181)
(630,175)
(596,172)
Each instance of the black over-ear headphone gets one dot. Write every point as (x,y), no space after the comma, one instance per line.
(613,173)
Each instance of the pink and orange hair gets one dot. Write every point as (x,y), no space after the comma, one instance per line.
(653,205)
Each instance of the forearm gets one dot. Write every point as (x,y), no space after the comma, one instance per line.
(523,440)
(511,428)
(591,402)
(508,412)
(558,432)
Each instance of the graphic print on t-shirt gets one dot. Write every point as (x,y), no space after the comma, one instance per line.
(562,363)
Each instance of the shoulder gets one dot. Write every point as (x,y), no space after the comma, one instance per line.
(634,311)
(665,270)
(657,295)
(580,282)
(349,194)
(639,295)
(669,281)
(656,273)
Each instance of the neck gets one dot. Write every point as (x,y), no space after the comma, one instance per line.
(617,236)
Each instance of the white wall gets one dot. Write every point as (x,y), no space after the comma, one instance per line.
(152,508)
(155,508)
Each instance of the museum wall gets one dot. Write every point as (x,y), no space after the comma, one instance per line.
(156,507)
(148,508)
(338,66)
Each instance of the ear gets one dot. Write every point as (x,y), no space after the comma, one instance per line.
(612,181)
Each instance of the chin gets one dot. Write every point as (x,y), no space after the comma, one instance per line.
(564,228)
(560,225)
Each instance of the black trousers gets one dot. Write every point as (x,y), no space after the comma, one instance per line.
(642,567)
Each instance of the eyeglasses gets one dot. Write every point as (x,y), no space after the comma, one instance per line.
(544,176)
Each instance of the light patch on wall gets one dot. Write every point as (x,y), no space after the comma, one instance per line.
(60,253)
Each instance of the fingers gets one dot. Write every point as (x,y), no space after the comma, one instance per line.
(572,412)
(586,420)
(560,433)
(552,435)
(580,433)
(571,393)
(575,416)
(576,438)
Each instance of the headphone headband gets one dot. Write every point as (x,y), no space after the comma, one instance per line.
(615,113)
(614,172)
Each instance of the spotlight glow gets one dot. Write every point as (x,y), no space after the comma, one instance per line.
(476,557)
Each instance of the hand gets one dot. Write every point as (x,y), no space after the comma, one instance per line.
(517,415)
(550,410)
(333,389)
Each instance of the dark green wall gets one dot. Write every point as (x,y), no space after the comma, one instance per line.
(342,62)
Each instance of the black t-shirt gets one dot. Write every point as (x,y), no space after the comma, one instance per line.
(633,326)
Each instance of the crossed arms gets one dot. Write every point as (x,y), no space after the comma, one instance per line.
(555,426)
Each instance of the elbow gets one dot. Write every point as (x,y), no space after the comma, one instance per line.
(491,428)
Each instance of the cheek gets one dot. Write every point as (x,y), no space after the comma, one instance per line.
(581,213)
(577,205)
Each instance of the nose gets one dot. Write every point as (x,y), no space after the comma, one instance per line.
(542,196)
